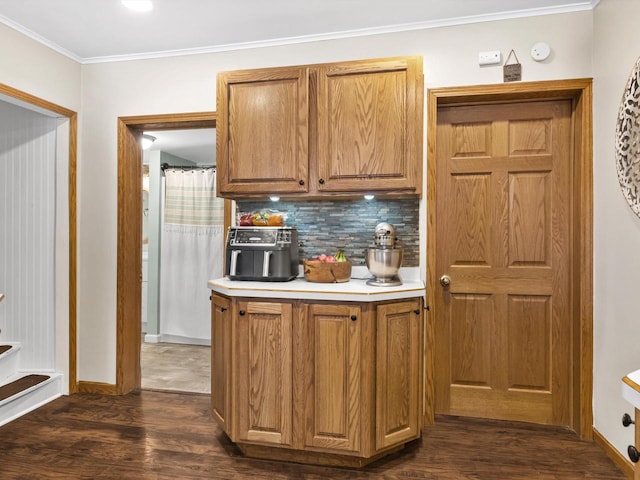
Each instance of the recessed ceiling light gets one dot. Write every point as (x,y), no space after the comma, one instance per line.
(138,5)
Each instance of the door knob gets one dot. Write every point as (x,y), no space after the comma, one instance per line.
(633,453)
(627,420)
(445,280)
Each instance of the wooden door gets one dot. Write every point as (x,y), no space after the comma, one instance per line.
(398,373)
(262,131)
(333,401)
(221,323)
(370,125)
(503,206)
(264,372)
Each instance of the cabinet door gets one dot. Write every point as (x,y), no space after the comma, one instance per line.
(398,366)
(221,324)
(262,131)
(333,400)
(370,126)
(264,372)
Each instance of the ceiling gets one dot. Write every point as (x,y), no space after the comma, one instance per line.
(195,145)
(104,30)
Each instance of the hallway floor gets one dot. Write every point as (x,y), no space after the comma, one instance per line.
(171,436)
(176,367)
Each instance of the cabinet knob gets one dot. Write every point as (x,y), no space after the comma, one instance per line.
(633,453)
(301,182)
(223,309)
(209,297)
(241,312)
(626,420)
(354,318)
(416,311)
(321,181)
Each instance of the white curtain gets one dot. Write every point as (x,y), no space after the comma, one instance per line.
(192,247)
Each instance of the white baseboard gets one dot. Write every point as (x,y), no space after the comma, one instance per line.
(166,338)
(149,338)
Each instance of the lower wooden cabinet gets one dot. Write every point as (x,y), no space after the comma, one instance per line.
(221,324)
(323,382)
(264,400)
(398,373)
(333,377)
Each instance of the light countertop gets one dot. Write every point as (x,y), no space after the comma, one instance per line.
(355,290)
(631,388)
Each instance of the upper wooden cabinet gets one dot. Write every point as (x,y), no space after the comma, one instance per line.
(317,130)
(262,131)
(370,126)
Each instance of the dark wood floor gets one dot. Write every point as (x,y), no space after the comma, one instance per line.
(158,435)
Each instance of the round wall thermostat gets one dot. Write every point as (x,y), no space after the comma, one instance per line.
(540,51)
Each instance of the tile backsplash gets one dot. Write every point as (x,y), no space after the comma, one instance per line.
(324,226)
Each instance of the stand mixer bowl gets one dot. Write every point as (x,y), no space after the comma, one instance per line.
(384,263)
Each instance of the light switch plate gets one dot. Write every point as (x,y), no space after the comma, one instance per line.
(489,58)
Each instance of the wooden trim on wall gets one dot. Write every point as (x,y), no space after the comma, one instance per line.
(129,286)
(97,387)
(73,248)
(73,158)
(580,92)
(621,462)
(129,272)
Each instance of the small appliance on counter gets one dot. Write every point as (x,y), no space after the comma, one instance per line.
(384,260)
(266,254)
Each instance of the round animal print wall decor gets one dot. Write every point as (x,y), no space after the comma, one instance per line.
(628,140)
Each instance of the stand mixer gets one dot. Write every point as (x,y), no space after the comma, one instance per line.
(384,260)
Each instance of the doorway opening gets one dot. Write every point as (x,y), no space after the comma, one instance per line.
(55,349)
(130,212)
(182,237)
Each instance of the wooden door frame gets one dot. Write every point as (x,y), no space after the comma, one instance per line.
(73,158)
(579,91)
(129,288)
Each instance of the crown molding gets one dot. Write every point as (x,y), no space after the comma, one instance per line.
(492,17)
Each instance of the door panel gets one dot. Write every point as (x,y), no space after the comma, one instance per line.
(264,115)
(221,361)
(469,334)
(398,352)
(264,372)
(370,125)
(333,396)
(502,329)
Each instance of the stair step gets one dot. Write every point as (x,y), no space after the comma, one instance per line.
(26,392)
(21,384)
(4,348)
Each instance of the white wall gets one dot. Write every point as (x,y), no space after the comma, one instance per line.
(33,68)
(27,242)
(616,228)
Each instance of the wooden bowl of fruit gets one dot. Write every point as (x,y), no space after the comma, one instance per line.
(328,268)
